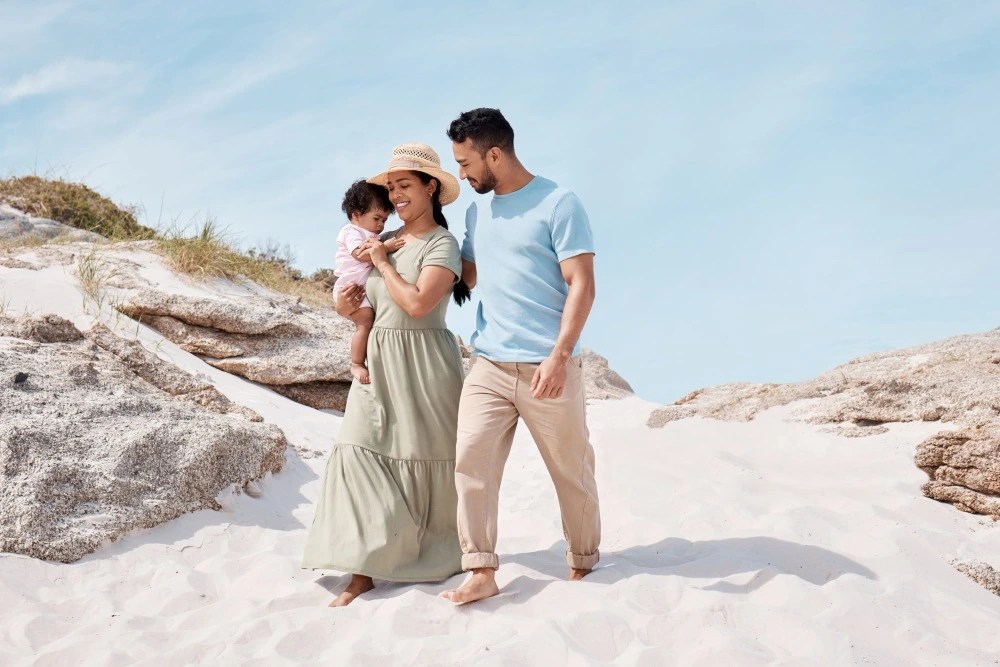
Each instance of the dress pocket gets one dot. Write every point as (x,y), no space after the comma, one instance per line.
(374,411)
(364,417)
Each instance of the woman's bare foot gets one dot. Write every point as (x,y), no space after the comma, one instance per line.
(576,574)
(481,585)
(360,373)
(359,584)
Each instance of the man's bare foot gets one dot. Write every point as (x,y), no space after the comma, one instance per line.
(359,584)
(481,585)
(360,373)
(576,573)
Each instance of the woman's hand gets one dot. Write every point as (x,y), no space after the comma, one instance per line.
(376,251)
(350,299)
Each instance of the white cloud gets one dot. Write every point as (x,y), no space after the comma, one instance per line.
(59,77)
(19,21)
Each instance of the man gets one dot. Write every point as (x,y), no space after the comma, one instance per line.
(531,251)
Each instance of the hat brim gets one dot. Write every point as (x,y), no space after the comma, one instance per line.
(449,184)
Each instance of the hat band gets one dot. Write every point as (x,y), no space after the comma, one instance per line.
(411,164)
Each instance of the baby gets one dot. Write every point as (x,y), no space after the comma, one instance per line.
(367,207)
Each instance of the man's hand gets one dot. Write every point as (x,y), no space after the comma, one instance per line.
(550,378)
(350,299)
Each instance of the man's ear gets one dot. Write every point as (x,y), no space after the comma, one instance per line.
(493,155)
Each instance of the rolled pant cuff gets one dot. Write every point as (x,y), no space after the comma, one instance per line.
(475,561)
(582,562)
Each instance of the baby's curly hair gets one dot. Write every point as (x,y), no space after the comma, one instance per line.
(362,197)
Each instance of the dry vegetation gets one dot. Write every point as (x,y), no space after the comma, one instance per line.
(73,204)
(209,252)
(93,273)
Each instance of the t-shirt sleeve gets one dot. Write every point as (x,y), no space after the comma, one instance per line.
(468,250)
(571,234)
(353,237)
(443,251)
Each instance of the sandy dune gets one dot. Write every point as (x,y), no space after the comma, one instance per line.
(755,543)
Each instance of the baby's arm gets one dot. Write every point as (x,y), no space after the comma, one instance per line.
(361,252)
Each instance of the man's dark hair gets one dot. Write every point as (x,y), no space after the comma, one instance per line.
(486,127)
(362,197)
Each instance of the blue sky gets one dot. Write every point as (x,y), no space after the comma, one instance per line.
(775,187)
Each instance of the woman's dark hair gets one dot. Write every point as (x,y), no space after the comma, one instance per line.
(460,291)
(362,197)
(486,127)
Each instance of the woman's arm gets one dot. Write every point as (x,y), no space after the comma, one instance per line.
(417,300)
(350,299)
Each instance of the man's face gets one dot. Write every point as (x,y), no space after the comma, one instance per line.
(474,167)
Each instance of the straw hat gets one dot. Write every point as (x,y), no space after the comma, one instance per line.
(420,157)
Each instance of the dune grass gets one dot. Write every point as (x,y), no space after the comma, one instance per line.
(93,273)
(73,204)
(209,252)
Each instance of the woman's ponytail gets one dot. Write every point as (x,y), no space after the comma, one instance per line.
(460,292)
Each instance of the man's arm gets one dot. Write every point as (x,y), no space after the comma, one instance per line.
(578,272)
(469,273)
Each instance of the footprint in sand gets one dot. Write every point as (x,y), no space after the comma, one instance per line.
(427,620)
(46,629)
(308,643)
(71,655)
(600,635)
(653,595)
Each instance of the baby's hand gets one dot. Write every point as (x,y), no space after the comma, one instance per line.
(394,244)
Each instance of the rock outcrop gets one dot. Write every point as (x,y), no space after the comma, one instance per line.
(15,224)
(955,381)
(298,351)
(964,468)
(99,437)
(600,382)
(983,574)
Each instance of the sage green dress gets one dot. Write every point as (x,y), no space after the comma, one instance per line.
(387,503)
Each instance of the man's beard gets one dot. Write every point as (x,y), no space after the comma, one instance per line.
(487,183)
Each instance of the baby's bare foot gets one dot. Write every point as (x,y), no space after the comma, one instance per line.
(360,373)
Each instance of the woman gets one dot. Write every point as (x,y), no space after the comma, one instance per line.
(387,505)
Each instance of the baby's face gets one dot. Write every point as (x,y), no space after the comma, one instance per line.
(372,221)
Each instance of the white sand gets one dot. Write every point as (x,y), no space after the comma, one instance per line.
(746,544)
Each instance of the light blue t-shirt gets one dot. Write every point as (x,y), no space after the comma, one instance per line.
(517,241)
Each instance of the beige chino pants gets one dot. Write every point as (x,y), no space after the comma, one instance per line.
(493,397)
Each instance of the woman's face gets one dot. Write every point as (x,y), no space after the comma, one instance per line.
(411,197)
(372,221)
